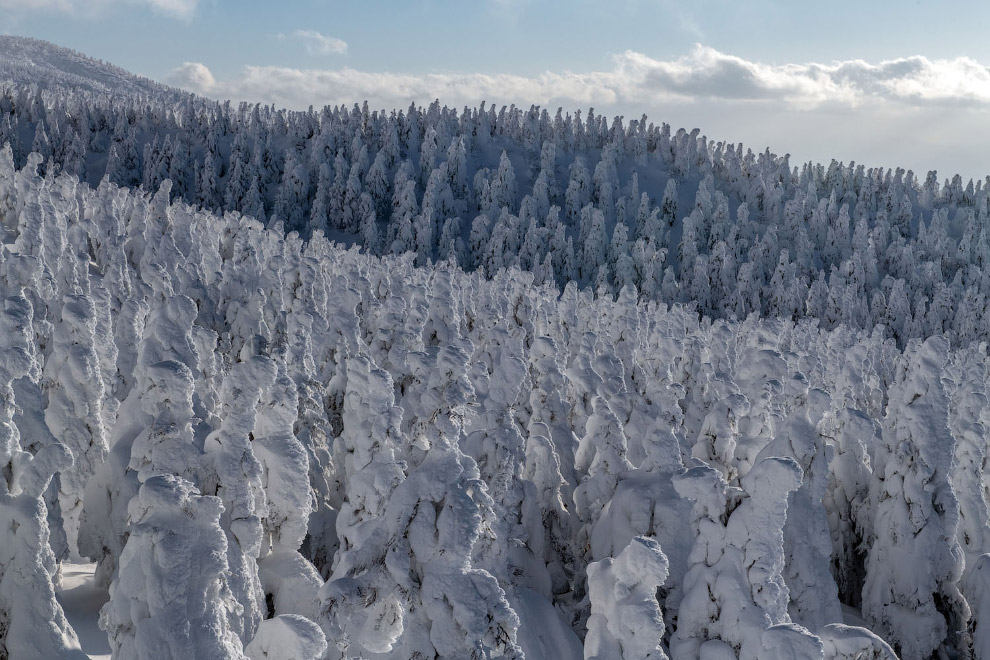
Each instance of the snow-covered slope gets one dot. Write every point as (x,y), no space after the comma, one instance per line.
(619,393)
(29,61)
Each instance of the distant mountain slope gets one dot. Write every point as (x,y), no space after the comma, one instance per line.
(31,61)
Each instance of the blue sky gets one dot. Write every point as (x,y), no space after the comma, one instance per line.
(888,83)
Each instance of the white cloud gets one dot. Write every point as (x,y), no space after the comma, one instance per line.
(316,43)
(192,75)
(175,8)
(635,79)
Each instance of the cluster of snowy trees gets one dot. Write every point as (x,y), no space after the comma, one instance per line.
(277,447)
(484,384)
(568,197)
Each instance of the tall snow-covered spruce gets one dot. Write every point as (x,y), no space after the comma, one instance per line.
(917,514)
(31,620)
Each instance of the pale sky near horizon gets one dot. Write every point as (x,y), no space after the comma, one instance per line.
(882,83)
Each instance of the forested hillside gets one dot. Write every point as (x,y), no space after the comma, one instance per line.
(567,196)
(619,393)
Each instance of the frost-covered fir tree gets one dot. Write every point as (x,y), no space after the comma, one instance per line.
(734,589)
(75,400)
(239,486)
(626,621)
(813,595)
(31,619)
(435,516)
(600,460)
(170,595)
(372,471)
(916,515)
(964,380)
(153,434)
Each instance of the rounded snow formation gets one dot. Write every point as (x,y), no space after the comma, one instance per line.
(287,637)
(842,642)
(626,620)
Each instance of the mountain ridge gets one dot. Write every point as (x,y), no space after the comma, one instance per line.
(26,60)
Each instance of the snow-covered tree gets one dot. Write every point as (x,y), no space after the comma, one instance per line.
(916,515)
(456,610)
(626,621)
(168,600)
(31,618)
(75,399)
(372,471)
(238,484)
(735,589)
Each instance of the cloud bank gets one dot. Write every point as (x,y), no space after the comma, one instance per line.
(634,79)
(192,75)
(912,112)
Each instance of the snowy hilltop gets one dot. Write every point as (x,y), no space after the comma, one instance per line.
(484,384)
(28,61)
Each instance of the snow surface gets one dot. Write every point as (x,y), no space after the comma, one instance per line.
(544,635)
(81,600)
(32,61)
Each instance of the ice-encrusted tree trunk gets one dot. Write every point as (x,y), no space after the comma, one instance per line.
(847,498)
(549,408)
(153,433)
(75,398)
(8,191)
(716,442)
(734,589)
(290,581)
(72,378)
(626,622)
(600,459)
(170,597)
(969,414)
(583,381)
(813,595)
(435,517)
(314,431)
(917,513)
(24,273)
(494,440)
(165,595)
(32,623)
(550,446)
(237,474)
(371,434)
